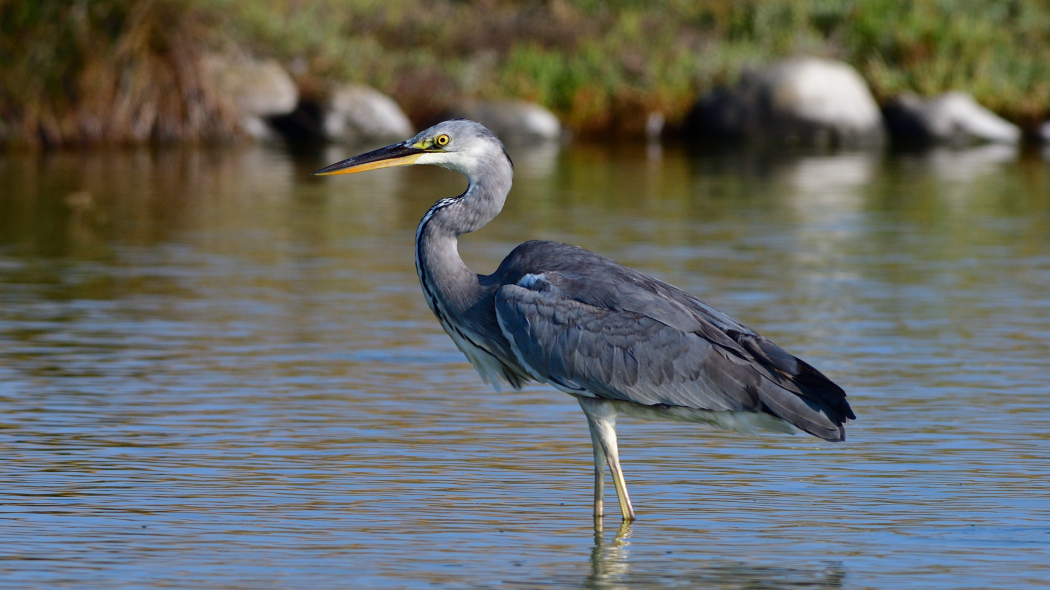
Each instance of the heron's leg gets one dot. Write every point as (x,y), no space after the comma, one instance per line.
(613,457)
(601,418)
(599,473)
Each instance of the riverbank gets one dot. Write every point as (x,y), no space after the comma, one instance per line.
(119,71)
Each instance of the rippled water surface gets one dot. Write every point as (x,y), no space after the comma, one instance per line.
(216,371)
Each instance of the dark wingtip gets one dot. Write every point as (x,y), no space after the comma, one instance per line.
(825,392)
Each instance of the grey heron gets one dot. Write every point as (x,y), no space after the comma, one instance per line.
(617,340)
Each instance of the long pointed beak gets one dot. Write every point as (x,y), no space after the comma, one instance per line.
(398,154)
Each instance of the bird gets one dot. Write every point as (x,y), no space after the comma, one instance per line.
(618,340)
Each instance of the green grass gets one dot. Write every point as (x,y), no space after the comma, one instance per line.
(601,65)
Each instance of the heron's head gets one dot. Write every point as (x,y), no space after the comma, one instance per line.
(459,144)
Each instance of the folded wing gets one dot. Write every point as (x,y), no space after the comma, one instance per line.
(633,338)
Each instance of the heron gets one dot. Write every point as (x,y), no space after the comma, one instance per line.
(618,340)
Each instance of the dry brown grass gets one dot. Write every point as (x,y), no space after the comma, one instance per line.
(112,72)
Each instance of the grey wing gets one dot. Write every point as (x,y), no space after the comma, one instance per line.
(616,355)
(594,279)
(589,297)
(629,356)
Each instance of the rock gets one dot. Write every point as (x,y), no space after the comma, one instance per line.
(346,114)
(513,121)
(1044,132)
(807,101)
(359,114)
(952,117)
(654,126)
(259,89)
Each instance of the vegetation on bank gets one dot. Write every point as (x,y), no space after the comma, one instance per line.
(117,71)
(107,72)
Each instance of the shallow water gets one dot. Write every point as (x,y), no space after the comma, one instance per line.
(216,371)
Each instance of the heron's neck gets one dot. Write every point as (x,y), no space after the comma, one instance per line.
(450,287)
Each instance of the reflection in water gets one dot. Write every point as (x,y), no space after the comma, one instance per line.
(968,164)
(612,569)
(216,371)
(826,194)
(744,577)
(535,161)
(609,564)
(827,175)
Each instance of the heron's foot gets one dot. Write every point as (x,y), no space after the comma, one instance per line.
(624,531)
(625,503)
(621,532)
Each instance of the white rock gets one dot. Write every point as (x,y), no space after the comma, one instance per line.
(257,88)
(654,125)
(952,117)
(260,88)
(513,121)
(356,114)
(808,101)
(258,128)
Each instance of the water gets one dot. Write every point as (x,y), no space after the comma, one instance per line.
(218,372)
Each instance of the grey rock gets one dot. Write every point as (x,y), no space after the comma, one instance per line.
(952,117)
(259,128)
(259,89)
(654,125)
(806,101)
(360,114)
(1044,132)
(514,121)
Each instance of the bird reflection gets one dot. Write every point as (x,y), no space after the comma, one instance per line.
(612,569)
(609,564)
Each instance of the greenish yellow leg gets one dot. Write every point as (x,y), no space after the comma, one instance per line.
(601,419)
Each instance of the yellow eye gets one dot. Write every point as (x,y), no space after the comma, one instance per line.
(442,140)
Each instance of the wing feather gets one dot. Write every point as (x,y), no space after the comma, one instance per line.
(603,361)
(620,334)
(629,356)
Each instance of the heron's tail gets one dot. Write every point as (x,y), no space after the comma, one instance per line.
(809,401)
